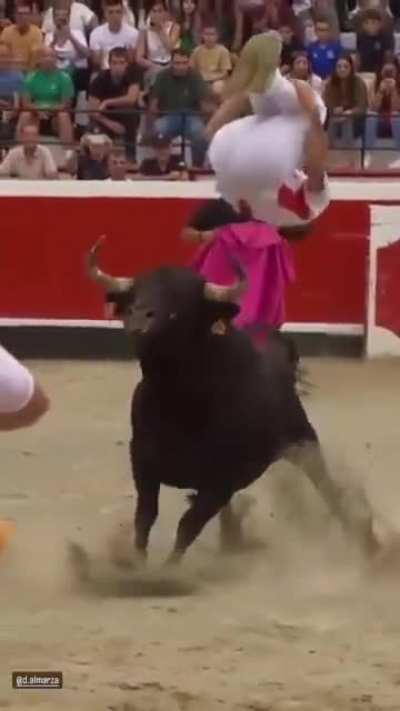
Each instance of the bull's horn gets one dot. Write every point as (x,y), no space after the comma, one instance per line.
(109,282)
(215,292)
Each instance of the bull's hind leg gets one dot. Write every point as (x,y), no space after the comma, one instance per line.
(350,507)
(204,506)
(231,532)
(231,519)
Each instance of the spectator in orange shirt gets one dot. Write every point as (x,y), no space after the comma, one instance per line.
(23,38)
(212,60)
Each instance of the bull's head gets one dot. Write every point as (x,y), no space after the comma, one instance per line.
(171,301)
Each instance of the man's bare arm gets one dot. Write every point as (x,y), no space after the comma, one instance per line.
(315,154)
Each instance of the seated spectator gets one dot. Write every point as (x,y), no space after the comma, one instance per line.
(190,26)
(383,118)
(164,165)
(291,45)
(81,17)
(327,9)
(128,15)
(212,60)
(346,98)
(309,32)
(48,92)
(30,161)
(156,42)
(259,16)
(375,45)
(303,10)
(301,69)
(181,94)
(325,51)
(113,33)
(114,95)
(117,164)
(11,87)
(356,15)
(71,49)
(23,39)
(92,162)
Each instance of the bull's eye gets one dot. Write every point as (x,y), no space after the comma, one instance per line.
(173,315)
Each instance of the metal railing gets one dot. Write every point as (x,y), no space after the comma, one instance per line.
(353,133)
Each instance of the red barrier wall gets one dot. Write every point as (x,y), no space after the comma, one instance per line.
(44,240)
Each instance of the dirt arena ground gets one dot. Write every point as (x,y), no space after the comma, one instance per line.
(298,623)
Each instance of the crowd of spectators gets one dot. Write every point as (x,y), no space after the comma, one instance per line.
(121,85)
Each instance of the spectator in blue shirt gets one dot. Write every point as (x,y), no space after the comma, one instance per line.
(324,52)
(11,80)
(11,86)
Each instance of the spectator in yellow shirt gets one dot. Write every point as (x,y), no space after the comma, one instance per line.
(212,60)
(23,38)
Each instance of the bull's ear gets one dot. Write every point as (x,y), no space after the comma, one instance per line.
(119,300)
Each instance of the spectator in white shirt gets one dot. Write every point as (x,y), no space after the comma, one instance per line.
(118,164)
(113,33)
(29,161)
(80,17)
(71,49)
(156,42)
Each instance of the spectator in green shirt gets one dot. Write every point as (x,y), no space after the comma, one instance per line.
(47,97)
(182,96)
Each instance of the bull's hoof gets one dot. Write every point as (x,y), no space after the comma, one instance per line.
(140,559)
(173,560)
(79,561)
(240,545)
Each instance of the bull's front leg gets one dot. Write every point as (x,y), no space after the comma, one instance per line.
(204,506)
(148,492)
(350,507)
(146,514)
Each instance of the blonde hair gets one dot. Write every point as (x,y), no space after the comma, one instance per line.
(257,63)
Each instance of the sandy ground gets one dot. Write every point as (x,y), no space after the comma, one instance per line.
(298,623)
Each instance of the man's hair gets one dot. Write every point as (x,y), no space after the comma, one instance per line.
(117,152)
(25,4)
(210,26)
(371,14)
(180,52)
(118,53)
(113,3)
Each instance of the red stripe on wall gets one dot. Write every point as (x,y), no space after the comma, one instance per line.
(388,288)
(44,241)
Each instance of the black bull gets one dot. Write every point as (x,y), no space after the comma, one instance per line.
(211,413)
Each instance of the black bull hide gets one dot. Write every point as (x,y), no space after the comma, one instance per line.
(211,413)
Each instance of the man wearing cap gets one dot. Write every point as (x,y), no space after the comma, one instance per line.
(164,165)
